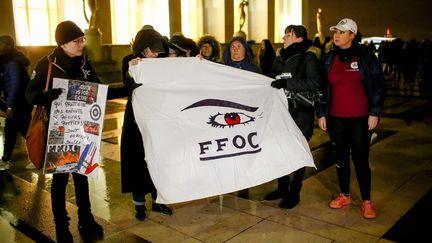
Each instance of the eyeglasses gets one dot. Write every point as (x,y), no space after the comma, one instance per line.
(79,40)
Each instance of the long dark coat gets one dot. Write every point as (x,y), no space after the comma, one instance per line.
(135,176)
(304,66)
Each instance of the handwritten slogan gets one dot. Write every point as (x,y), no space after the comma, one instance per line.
(75,128)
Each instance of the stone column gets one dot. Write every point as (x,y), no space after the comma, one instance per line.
(94,43)
(93,34)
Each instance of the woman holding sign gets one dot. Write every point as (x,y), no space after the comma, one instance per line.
(67,61)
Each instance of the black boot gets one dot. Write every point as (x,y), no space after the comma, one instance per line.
(89,228)
(162,208)
(281,190)
(276,194)
(293,197)
(140,212)
(63,234)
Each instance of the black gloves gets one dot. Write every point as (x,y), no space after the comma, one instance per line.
(134,86)
(130,83)
(279,83)
(52,94)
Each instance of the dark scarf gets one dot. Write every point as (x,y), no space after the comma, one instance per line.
(294,49)
(71,65)
(238,64)
(345,55)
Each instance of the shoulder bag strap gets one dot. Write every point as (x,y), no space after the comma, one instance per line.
(48,74)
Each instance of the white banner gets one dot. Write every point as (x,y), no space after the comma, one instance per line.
(210,129)
(75,128)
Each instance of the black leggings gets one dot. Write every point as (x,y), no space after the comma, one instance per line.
(18,123)
(351,135)
(58,196)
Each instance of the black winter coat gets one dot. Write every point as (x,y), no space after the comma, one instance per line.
(63,66)
(14,80)
(135,176)
(304,68)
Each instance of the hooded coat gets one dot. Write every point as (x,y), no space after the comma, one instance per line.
(209,39)
(246,63)
(135,176)
(14,79)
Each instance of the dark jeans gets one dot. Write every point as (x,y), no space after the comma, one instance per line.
(18,123)
(351,136)
(58,196)
(296,183)
(138,198)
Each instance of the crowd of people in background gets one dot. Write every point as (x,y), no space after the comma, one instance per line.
(406,64)
(401,63)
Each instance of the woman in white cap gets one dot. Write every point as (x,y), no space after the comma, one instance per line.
(355,93)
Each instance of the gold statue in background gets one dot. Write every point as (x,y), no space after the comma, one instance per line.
(241,9)
(319,22)
(242,5)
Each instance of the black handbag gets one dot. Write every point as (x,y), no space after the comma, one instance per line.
(304,99)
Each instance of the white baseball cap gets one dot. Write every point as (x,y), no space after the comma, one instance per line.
(346,24)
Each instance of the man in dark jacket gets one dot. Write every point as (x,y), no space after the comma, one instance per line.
(301,70)
(13,82)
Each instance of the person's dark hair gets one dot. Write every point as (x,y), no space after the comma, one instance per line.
(185,43)
(317,42)
(299,30)
(177,47)
(358,38)
(266,56)
(7,40)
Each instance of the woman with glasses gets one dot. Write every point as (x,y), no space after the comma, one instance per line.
(68,62)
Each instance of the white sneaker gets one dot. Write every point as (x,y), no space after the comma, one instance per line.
(30,166)
(4,165)
(374,137)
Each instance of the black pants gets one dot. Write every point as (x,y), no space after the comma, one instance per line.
(296,184)
(58,196)
(304,119)
(351,136)
(19,122)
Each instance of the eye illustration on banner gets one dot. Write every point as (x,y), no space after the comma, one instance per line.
(234,144)
(230,119)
